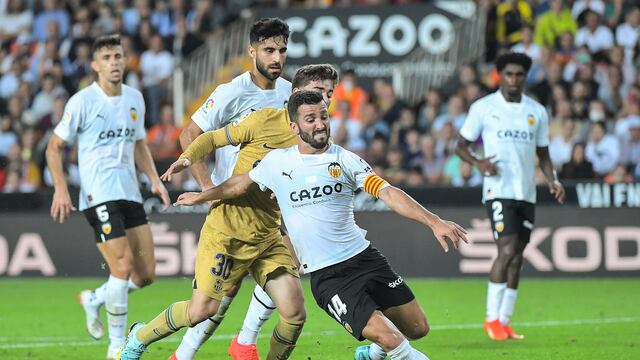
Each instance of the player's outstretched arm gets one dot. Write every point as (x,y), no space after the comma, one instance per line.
(232,188)
(199,169)
(61,205)
(145,163)
(403,204)
(555,187)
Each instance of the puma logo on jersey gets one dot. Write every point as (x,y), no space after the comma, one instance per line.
(268,147)
(396,282)
(288,175)
(100,116)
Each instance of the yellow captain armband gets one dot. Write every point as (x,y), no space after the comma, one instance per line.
(373,184)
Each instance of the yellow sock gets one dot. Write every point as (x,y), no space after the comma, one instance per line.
(284,338)
(174,318)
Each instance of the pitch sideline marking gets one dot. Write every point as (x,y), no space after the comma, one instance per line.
(53,341)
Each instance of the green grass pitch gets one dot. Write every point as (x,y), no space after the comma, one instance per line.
(561,319)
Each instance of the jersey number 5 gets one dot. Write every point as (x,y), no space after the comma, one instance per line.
(337,308)
(224,266)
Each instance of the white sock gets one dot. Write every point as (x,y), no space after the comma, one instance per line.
(198,335)
(99,293)
(260,310)
(494,298)
(376,352)
(508,304)
(116,297)
(131,286)
(404,351)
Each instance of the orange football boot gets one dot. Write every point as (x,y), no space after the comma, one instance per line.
(495,330)
(238,351)
(512,334)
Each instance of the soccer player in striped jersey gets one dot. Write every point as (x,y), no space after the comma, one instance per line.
(314,183)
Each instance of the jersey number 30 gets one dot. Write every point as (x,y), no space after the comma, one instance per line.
(224,266)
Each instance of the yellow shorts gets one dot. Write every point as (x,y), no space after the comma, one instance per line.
(223,261)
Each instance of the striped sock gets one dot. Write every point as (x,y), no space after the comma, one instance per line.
(174,318)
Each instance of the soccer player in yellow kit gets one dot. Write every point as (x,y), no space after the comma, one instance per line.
(242,236)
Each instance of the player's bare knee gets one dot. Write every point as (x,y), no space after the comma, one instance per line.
(294,313)
(122,268)
(418,330)
(389,340)
(199,312)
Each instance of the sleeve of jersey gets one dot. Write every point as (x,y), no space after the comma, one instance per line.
(205,144)
(542,136)
(211,115)
(261,174)
(363,175)
(67,128)
(472,127)
(141,133)
(373,184)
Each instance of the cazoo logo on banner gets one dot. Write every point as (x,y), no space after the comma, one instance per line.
(571,249)
(370,38)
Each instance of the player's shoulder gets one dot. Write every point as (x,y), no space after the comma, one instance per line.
(283,84)
(280,155)
(487,101)
(131,92)
(532,103)
(270,113)
(85,95)
(242,81)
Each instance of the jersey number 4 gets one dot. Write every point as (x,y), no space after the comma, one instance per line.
(337,308)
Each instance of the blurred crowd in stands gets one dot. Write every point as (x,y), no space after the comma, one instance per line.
(586,57)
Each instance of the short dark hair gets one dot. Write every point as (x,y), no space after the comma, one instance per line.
(513,58)
(299,98)
(266,28)
(309,73)
(105,41)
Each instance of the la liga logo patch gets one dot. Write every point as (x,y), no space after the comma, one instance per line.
(208,105)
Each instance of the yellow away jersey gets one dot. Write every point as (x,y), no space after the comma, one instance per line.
(253,216)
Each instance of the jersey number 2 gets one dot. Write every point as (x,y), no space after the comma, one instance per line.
(497,210)
(337,308)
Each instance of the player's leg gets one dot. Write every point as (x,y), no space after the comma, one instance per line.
(261,307)
(525,216)
(409,318)
(394,298)
(216,271)
(197,335)
(117,255)
(139,235)
(108,224)
(275,271)
(502,214)
(383,332)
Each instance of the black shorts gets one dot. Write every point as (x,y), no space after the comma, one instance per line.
(352,290)
(510,217)
(110,219)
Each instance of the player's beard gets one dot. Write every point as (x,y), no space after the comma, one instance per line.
(316,144)
(264,70)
